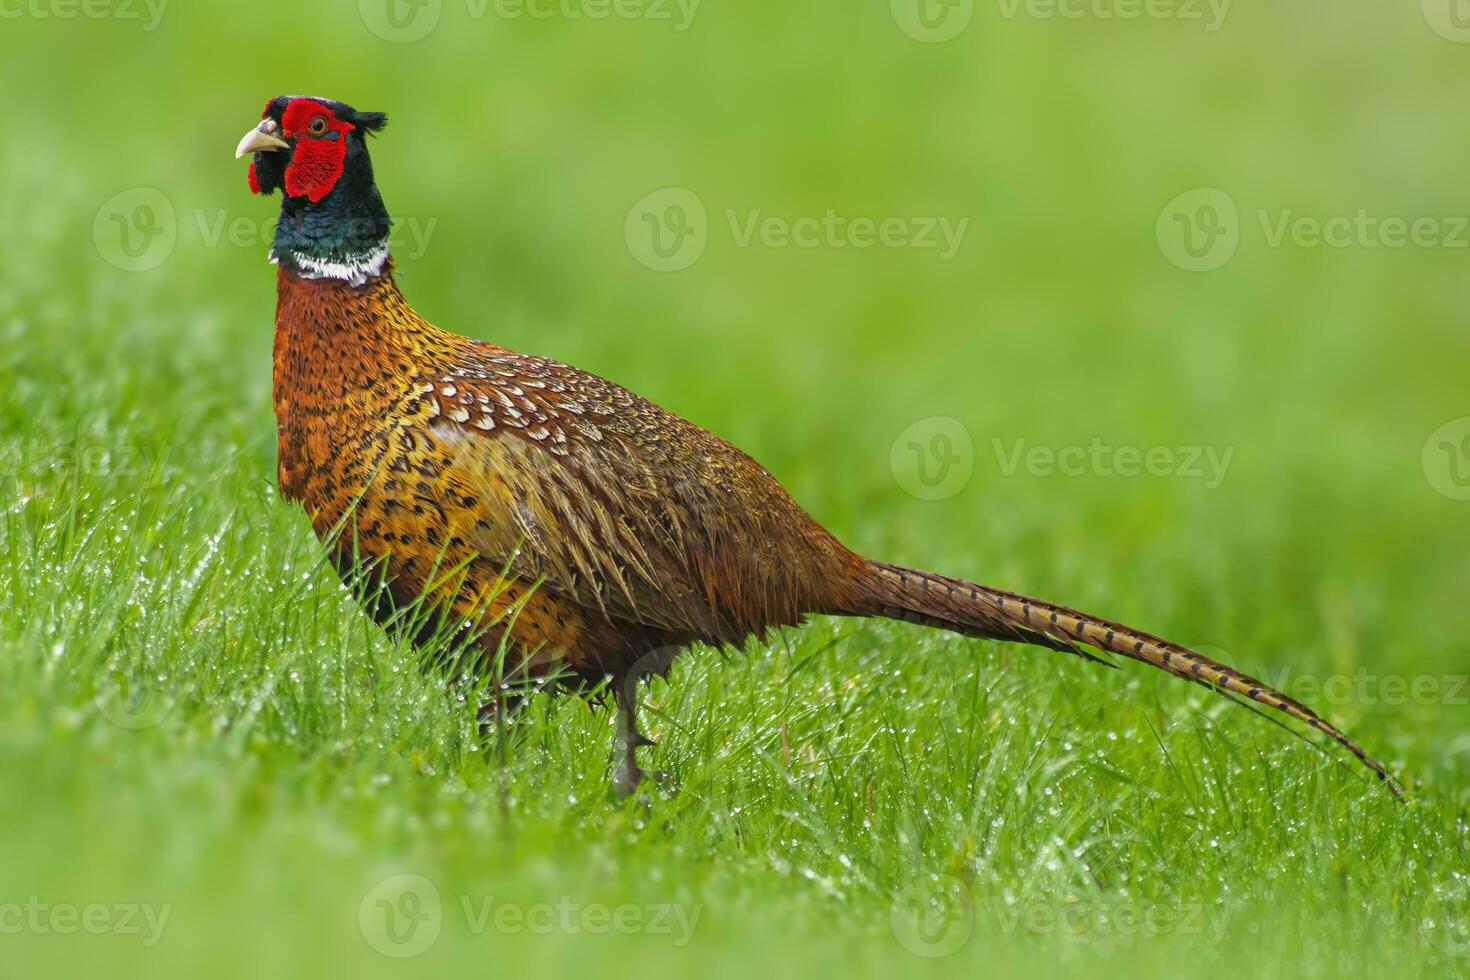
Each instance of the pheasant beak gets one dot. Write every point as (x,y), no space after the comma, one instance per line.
(261,139)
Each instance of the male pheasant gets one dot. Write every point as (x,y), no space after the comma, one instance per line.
(589,532)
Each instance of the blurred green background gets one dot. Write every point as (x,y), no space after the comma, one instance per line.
(1102,168)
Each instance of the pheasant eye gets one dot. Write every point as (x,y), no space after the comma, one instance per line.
(317,126)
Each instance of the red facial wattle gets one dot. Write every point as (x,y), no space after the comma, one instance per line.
(254,180)
(315,168)
(316,161)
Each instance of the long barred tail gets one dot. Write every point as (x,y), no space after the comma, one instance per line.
(963,607)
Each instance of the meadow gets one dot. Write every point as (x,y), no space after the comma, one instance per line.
(1159,316)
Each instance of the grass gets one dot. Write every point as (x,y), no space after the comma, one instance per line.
(195,717)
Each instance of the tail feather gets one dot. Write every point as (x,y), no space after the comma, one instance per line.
(913,596)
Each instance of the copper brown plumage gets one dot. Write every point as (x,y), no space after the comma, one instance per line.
(588,527)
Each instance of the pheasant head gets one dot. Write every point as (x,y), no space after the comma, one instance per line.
(333,223)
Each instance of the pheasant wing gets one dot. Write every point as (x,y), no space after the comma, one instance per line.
(617,504)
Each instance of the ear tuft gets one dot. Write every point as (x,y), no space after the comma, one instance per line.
(370,122)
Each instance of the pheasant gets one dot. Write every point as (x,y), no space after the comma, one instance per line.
(592,534)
